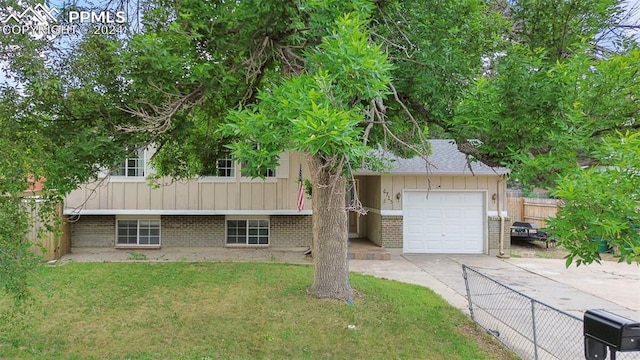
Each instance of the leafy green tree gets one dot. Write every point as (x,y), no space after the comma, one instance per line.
(16,257)
(311,76)
(602,199)
(548,106)
(601,203)
(59,115)
(318,113)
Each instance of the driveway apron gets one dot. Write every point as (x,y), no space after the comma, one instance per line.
(611,286)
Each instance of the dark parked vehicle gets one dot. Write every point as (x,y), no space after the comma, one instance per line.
(528,231)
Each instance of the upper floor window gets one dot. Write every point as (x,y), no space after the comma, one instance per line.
(265,173)
(244,167)
(132,166)
(226,167)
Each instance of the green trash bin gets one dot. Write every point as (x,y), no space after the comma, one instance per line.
(603,245)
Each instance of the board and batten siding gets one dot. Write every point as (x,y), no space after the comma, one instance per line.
(235,193)
(392,185)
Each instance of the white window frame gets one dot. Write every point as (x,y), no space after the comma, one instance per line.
(244,175)
(258,226)
(229,168)
(140,170)
(272,175)
(141,224)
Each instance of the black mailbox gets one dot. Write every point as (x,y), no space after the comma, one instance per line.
(614,331)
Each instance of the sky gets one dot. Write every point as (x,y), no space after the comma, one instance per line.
(632,10)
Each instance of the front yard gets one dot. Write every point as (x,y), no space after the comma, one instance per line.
(230,311)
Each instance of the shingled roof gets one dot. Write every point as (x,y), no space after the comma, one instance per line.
(445,159)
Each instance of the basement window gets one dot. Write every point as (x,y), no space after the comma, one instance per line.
(248,232)
(138,232)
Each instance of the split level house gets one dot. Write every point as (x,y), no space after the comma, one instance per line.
(448,206)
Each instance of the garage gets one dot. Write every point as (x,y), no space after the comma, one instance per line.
(446,222)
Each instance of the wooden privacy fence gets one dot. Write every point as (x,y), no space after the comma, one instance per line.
(532,210)
(48,244)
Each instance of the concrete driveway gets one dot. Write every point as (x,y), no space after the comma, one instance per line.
(611,286)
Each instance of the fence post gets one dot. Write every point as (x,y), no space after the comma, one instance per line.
(533,322)
(466,285)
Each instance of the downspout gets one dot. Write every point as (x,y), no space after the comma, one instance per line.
(499,199)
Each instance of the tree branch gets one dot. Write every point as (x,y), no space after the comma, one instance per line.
(159,118)
(467,148)
(408,146)
(421,110)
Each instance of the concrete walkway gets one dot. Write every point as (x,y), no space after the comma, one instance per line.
(611,286)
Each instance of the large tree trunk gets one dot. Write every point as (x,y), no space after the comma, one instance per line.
(329,230)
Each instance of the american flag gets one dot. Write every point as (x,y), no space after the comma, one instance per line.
(300,191)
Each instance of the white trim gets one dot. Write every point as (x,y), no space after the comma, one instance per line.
(248,179)
(127,179)
(495,213)
(185,212)
(247,217)
(137,217)
(216,179)
(399,212)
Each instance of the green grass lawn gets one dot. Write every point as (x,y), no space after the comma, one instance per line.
(231,311)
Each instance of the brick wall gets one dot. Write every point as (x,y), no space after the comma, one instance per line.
(286,231)
(93,231)
(193,231)
(291,230)
(391,231)
(494,236)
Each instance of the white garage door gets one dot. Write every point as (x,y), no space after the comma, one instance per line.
(443,222)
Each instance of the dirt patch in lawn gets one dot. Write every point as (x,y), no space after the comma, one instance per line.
(536,249)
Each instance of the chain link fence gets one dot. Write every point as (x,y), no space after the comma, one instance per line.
(532,329)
